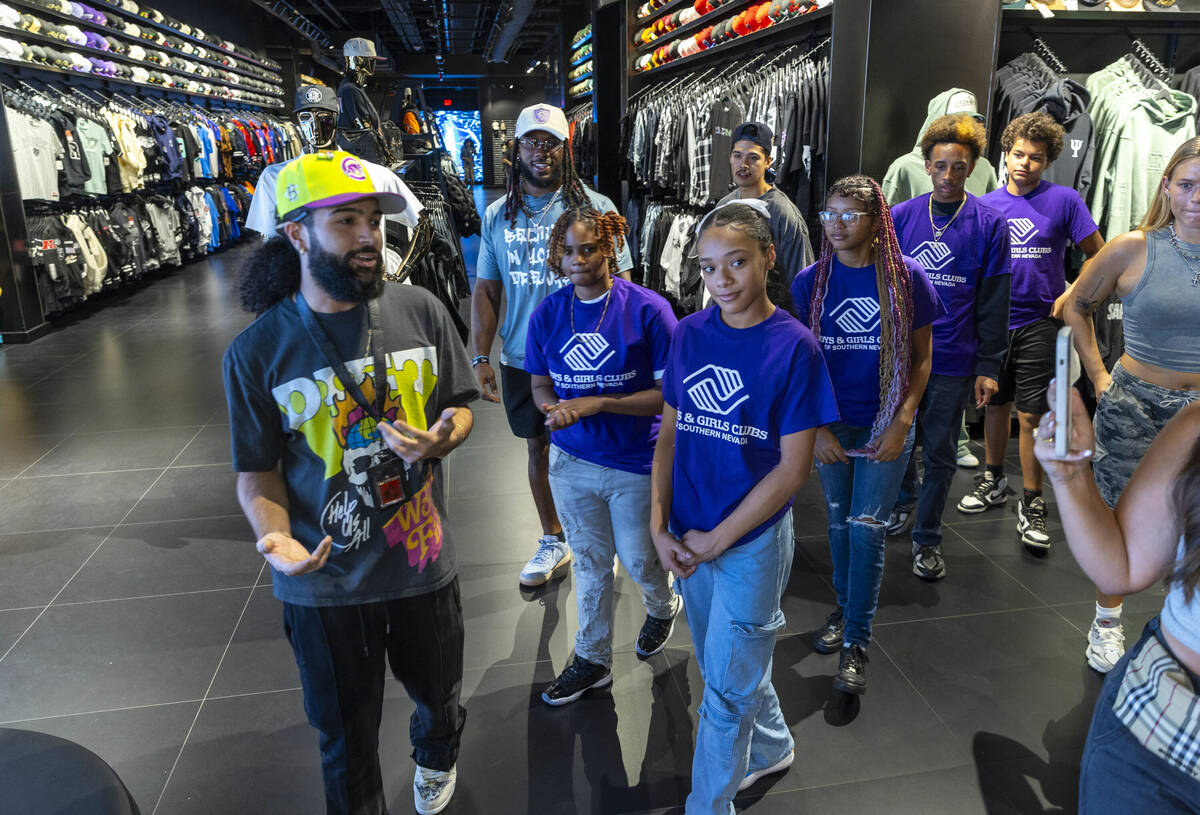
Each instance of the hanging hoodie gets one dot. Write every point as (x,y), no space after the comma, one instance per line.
(1066,101)
(906,178)
(95,260)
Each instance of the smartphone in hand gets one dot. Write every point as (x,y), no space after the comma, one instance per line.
(1066,371)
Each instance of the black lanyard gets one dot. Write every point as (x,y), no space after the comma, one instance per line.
(321,340)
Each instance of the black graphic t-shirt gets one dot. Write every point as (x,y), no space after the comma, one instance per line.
(286,405)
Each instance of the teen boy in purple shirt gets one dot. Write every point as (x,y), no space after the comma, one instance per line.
(963,246)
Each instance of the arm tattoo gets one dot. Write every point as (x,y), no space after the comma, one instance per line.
(1085,306)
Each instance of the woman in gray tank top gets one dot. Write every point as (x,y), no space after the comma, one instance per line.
(1143,748)
(1155,271)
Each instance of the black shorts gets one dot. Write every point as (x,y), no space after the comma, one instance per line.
(516,391)
(1028,367)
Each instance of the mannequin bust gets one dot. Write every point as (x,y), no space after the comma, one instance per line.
(358,125)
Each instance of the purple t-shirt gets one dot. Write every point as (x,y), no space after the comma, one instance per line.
(1039,226)
(850,330)
(975,246)
(625,352)
(737,393)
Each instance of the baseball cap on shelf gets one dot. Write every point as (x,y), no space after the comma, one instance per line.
(1161,5)
(361,47)
(756,132)
(320,97)
(327,179)
(1125,5)
(543,117)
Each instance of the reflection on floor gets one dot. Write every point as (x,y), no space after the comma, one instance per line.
(137,620)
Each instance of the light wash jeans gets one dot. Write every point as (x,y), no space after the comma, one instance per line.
(860,488)
(732,607)
(606,512)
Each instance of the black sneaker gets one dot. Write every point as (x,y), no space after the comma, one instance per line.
(852,671)
(577,678)
(829,636)
(989,492)
(928,563)
(655,632)
(1031,523)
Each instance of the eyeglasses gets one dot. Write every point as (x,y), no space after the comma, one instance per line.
(847,218)
(548,146)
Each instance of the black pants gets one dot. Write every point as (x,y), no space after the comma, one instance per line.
(340,651)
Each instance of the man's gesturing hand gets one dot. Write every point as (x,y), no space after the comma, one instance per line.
(288,556)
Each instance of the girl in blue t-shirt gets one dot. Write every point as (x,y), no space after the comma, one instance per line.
(596,351)
(872,310)
(744,390)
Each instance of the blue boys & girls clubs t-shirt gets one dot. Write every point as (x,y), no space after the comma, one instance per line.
(625,352)
(974,247)
(850,330)
(1039,226)
(737,392)
(517,256)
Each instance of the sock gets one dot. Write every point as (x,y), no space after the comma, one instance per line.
(1030,495)
(561,535)
(1113,614)
(996,472)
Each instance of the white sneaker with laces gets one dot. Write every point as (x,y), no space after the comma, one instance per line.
(433,789)
(552,557)
(777,767)
(1106,644)
(966,459)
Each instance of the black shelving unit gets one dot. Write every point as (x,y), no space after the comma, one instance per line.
(719,15)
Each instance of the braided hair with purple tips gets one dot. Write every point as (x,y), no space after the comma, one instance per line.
(894,281)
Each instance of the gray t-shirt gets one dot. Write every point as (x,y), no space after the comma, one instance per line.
(793,248)
(286,406)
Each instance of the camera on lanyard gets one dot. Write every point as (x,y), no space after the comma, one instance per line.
(394,481)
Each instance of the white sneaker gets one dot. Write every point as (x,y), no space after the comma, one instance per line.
(1106,644)
(967,460)
(552,557)
(433,789)
(777,767)
(989,492)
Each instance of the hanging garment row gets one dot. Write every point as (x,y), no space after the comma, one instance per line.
(581,120)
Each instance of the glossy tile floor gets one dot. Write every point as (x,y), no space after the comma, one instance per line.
(138,621)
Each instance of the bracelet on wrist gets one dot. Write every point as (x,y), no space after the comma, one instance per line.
(479,359)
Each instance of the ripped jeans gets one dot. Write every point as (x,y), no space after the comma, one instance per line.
(732,607)
(606,512)
(858,500)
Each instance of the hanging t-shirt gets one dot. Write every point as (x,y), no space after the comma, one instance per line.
(724,117)
(287,406)
(973,248)
(737,392)
(97,147)
(36,152)
(1039,226)
(850,330)
(517,255)
(619,346)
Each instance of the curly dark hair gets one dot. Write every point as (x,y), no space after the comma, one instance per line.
(609,228)
(1034,127)
(271,274)
(956,128)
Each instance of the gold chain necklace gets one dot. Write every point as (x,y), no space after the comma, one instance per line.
(607,299)
(937,233)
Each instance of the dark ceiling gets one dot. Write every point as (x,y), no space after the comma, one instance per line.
(446,27)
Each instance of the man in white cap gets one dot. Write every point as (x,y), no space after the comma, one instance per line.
(512,259)
(359,127)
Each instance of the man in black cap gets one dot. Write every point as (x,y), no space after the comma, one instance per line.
(749,161)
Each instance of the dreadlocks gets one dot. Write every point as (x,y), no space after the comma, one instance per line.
(574,193)
(609,228)
(894,281)
(272,274)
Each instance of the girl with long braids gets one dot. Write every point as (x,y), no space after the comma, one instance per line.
(871,310)
(596,351)
(744,391)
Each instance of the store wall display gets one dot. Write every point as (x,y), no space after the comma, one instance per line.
(582,120)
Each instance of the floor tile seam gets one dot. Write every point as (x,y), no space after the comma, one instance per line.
(917,690)
(61,442)
(99,711)
(122,524)
(151,596)
(1009,574)
(944,618)
(1069,621)
(90,472)
(212,681)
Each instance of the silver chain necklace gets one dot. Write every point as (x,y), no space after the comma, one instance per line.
(1191,260)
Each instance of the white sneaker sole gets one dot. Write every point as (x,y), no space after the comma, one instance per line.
(1096,660)
(566,700)
(989,503)
(534,580)
(778,767)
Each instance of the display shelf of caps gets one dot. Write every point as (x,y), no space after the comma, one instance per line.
(93,40)
(581,53)
(582,37)
(581,72)
(681,20)
(580,89)
(646,10)
(144,15)
(750,24)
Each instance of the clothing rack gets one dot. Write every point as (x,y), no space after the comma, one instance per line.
(1042,49)
(443,270)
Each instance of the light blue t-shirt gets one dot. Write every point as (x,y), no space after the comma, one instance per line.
(516,255)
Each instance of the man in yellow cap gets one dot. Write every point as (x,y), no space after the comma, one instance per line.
(344,395)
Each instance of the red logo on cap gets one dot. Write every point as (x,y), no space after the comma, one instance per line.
(541,115)
(353,169)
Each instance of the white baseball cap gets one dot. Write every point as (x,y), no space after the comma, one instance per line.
(543,117)
(361,47)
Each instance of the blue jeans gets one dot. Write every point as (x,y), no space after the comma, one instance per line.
(732,606)
(606,512)
(1117,774)
(858,498)
(938,419)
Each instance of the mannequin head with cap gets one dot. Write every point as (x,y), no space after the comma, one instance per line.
(316,113)
(361,59)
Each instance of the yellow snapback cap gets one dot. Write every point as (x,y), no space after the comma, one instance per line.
(327,178)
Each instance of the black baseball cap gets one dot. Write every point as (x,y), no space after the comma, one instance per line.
(319,97)
(756,132)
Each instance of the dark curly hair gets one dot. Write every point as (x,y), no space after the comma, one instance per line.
(956,128)
(1034,127)
(609,228)
(271,274)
